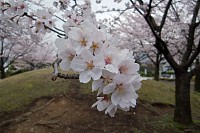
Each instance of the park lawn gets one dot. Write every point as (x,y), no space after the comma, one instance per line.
(19,91)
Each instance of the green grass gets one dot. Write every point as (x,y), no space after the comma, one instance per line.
(20,90)
(154,91)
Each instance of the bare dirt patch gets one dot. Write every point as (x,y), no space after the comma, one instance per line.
(72,113)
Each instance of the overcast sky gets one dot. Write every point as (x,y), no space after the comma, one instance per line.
(96,7)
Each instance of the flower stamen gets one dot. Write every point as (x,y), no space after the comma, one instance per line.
(90,65)
(83,42)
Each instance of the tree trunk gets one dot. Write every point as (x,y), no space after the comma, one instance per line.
(2,69)
(182,112)
(197,79)
(156,71)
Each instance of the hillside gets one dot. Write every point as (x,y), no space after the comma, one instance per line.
(32,102)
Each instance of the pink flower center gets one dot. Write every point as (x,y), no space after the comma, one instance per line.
(108,59)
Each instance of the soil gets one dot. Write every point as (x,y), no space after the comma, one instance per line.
(72,113)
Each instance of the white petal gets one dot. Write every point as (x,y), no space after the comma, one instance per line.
(111,68)
(85,76)
(102,105)
(100,91)
(115,97)
(96,84)
(96,73)
(133,101)
(125,109)
(65,65)
(62,43)
(137,86)
(95,104)
(86,55)
(133,68)
(111,110)
(75,34)
(78,65)
(126,97)
(109,88)
(124,104)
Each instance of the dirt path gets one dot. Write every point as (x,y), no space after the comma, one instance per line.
(72,113)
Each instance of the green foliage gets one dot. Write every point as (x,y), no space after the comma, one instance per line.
(149,74)
(168,72)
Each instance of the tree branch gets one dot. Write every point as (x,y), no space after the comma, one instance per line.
(193,56)
(164,16)
(190,39)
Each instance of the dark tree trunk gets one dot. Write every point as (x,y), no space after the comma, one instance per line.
(156,71)
(197,79)
(182,112)
(2,69)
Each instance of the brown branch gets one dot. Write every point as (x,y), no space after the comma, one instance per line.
(149,10)
(164,15)
(193,56)
(46,27)
(190,39)
(195,70)
(160,44)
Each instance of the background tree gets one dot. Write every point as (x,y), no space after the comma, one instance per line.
(16,42)
(197,78)
(42,55)
(174,12)
(136,36)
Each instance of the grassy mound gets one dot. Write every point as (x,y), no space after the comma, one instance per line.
(20,90)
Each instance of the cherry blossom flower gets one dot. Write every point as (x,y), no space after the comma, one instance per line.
(111,110)
(88,65)
(128,67)
(105,79)
(65,52)
(17,7)
(102,103)
(82,39)
(122,91)
(111,59)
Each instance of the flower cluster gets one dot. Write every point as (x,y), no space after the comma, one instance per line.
(40,20)
(91,51)
(94,54)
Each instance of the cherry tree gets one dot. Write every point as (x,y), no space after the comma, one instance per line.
(85,46)
(173,13)
(41,54)
(15,43)
(136,36)
(174,24)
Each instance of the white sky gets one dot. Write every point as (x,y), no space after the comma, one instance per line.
(95,7)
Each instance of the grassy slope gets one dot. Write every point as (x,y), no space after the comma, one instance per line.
(22,89)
